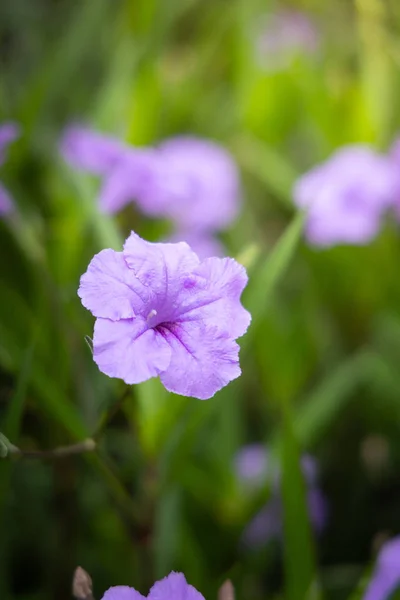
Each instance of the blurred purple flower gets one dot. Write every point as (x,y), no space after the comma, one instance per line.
(346,196)
(200,189)
(193,182)
(386,576)
(172,587)
(254,466)
(284,35)
(8,133)
(160,311)
(203,244)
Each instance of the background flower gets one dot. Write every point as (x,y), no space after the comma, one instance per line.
(256,468)
(386,576)
(8,133)
(346,197)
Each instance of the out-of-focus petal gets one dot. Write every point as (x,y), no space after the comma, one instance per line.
(6,203)
(8,133)
(386,576)
(203,244)
(200,188)
(88,150)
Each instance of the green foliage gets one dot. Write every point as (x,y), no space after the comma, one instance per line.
(320,360)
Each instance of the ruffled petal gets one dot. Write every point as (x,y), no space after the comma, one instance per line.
(164,268)
(203,359)
(174,587)
(109,289)
(122,592)
(129,350)
(217,299)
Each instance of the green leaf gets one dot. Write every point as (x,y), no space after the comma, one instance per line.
(298,544)
(269,273)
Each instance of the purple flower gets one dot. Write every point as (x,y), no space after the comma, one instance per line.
(203,244)
(198,187)
(172,587)
(386,576)
(254,466)
(90,151)
(284,35)
(346,196)
(193,182)
(161,312)
(8,133)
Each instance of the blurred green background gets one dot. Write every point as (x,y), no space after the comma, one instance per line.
(160,492)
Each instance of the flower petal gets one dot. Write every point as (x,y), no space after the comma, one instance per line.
(122,592)
(109,289)
(386,576)
(162,267)
(217,299)
(129,350)
(8,133)
(204,190)
(203,359)
(85,149)
(6,203)
(125,181)
(203,244)
(174,587)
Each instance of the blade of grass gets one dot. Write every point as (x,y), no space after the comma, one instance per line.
(268,274)
(299,556)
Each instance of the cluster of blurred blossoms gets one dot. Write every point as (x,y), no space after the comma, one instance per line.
(160,311)
(254,466)
(8,133)
(190,181)
(172,587)
(347,197)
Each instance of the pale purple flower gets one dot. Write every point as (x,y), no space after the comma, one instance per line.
(8,133)
(284,35)
(386,576)
(172,587)
(160,311)
(255,467)
(191,181)
(198,186)
(346,197)
(204,244)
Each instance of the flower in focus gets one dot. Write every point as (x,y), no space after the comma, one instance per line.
(255,467)
(346,197)
(8,133)
(386,576)
(172,587)
(160,311)
(284,35)
(191,181)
